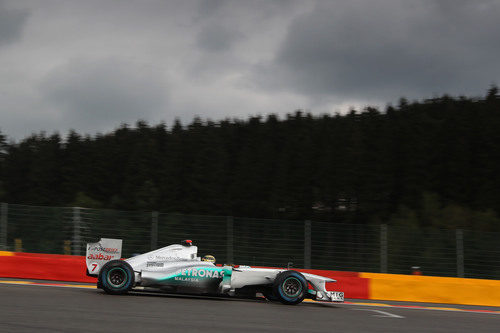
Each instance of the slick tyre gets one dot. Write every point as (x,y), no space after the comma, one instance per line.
(290,287)
(116,277)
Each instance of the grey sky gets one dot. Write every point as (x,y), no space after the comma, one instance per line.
(92,65)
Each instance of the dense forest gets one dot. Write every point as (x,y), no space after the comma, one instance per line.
(430,163)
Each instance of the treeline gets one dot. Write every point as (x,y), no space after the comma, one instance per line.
(431,163)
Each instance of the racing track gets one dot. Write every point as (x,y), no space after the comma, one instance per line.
(29,308)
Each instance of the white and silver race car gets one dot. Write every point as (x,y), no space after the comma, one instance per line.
(178,269)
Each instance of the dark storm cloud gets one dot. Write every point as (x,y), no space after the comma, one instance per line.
(217,38)
(223,23)
(210,7)
(225,58)
(12,21)
(385,49)
(98,93)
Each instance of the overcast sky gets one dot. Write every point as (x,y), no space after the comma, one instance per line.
(92,65)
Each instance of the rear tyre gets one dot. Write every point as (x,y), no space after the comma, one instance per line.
(116,277)
(290,287)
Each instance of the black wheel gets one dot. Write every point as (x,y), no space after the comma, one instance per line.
(290,287)
(116,277)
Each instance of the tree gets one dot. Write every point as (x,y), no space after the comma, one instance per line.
(437,158)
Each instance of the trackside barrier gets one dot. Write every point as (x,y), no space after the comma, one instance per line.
(433,289)
(355,285)
(43,267)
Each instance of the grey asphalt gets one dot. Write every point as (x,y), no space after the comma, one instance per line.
(50,309)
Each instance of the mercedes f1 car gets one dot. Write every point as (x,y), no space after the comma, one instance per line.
(178,269)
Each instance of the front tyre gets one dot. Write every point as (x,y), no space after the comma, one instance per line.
(116,277)
(290,287)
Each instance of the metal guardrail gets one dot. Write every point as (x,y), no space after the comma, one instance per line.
(261,242)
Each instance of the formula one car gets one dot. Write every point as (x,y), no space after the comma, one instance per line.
(178,269)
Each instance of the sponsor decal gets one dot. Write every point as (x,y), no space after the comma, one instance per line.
(191,274)
(188,279)
(154,264)
(99,248)
(167,258)
(100,256)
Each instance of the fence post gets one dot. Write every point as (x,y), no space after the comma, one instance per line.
(383,248)
(307,244)
(460,252)
(154,230)
(3,225)
(18,245)
(229,240)
(77,239)
(67,247)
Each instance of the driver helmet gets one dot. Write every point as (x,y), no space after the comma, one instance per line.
(209,258)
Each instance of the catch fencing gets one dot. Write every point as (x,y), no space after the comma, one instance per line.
(260,242)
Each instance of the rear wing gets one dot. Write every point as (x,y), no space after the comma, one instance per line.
(106,249)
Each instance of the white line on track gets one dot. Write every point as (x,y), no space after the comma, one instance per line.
(428,308)
(384,313)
